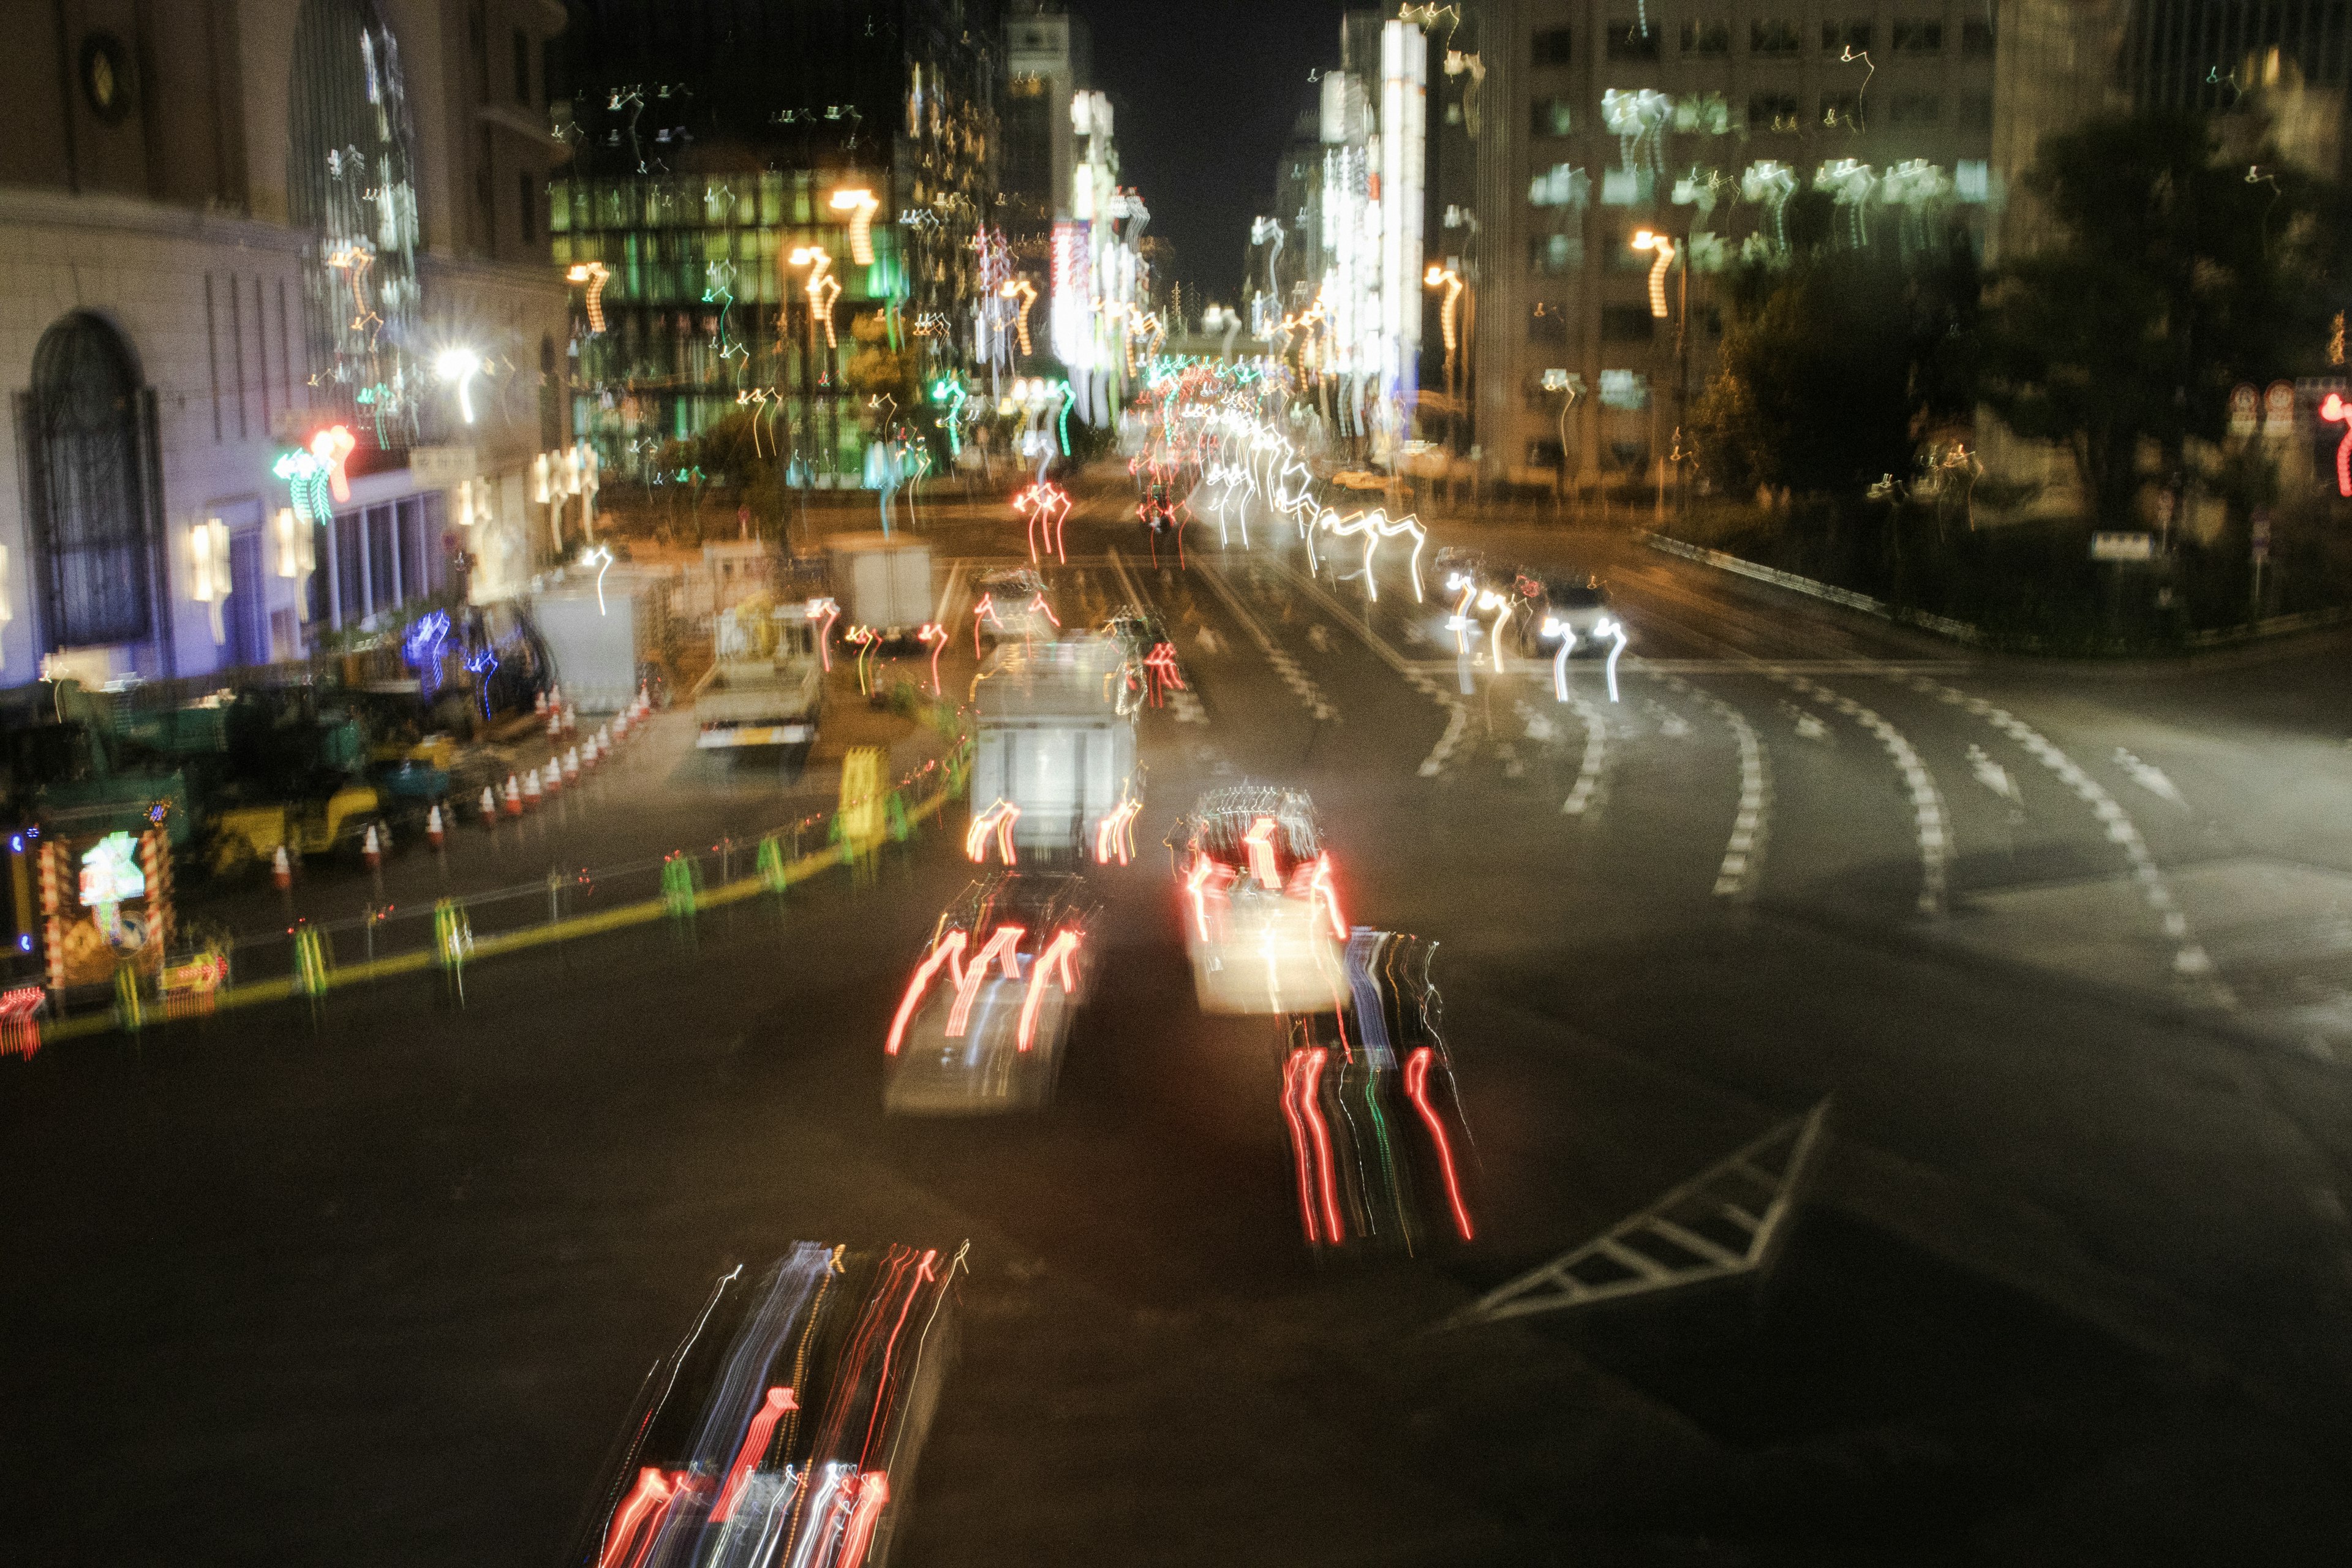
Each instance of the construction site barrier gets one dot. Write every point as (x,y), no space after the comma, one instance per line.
(453,945)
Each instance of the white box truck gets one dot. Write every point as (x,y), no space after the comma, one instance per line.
(884,583)
(601,643)
(1049,741)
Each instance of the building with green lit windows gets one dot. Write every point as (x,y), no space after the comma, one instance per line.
(771,211)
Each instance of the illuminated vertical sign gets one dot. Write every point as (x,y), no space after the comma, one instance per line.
(1074,343)
(1404,71)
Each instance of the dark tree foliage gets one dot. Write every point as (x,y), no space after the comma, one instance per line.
(1831,368)
(2170,278)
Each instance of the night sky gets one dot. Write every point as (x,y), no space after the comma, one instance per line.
(1205,93)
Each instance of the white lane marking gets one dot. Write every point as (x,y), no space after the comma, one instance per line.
(1457,717)
(1743,854)
(1590,793)
(1318,638)
(1302,685)
(1456,720)
(2190,962)
(1210,641)
(1993,776)
(1540,727)
(1929,823)
(1674,726)
(2151,778)
(1187,708)
(1809,726)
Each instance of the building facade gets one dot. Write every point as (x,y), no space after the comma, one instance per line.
(772,208)
(1602,120)
(237,239)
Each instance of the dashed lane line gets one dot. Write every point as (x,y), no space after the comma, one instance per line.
(1931,826)
(1302,685)
(1457,716)
(1743,854)
(2190,962)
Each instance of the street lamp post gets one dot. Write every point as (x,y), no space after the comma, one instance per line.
(1668,253)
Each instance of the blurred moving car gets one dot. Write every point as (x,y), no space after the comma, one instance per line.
(1581,607)
(1262,921)
(984,1021)
(782,1431)
(1379,1146)
(1013,608)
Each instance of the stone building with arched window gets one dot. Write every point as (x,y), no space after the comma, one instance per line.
(239,238)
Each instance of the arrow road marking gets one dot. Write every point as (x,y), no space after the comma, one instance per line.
(1993,776)
(2151,778)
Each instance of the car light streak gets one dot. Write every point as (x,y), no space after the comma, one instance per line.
(949,946)
(1056,958)
(1321,887)
(755,1443)
(1115,833)
(1555,628)
(1194,881)
(1301,1155)
(638,1519)
(1005,946)
(998,819)
(831,613)
(1260,840)
(1310,1088)
(1416,1089)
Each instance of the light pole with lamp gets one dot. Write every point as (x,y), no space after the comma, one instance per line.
(1571,386)
(1668,254)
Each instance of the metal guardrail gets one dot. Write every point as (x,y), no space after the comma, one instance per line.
(1945,625)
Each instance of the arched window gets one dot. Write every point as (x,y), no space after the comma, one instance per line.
(351,183)
(88,426)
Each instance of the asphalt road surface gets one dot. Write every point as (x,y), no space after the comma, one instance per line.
(2070,954)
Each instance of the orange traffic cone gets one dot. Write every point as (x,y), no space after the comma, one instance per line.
(588,754)
(281,869)
(571,720)
(530,787)
(432,827)
(370,850)
(571,765)
(539,703)
(604,739)
(554,723)
(514,796)
(552,777)
(621,725)
(489,807)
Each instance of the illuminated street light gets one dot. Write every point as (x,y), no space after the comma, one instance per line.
(1647,240)
(860,205)
(459,366)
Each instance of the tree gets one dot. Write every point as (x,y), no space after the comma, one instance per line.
(1831,368)
(2173,278)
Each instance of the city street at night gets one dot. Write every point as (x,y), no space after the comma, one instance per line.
(994,784)
(386,1277)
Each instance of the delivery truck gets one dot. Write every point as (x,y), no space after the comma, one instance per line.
(884,583)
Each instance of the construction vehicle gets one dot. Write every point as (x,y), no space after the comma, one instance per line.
(765,686)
